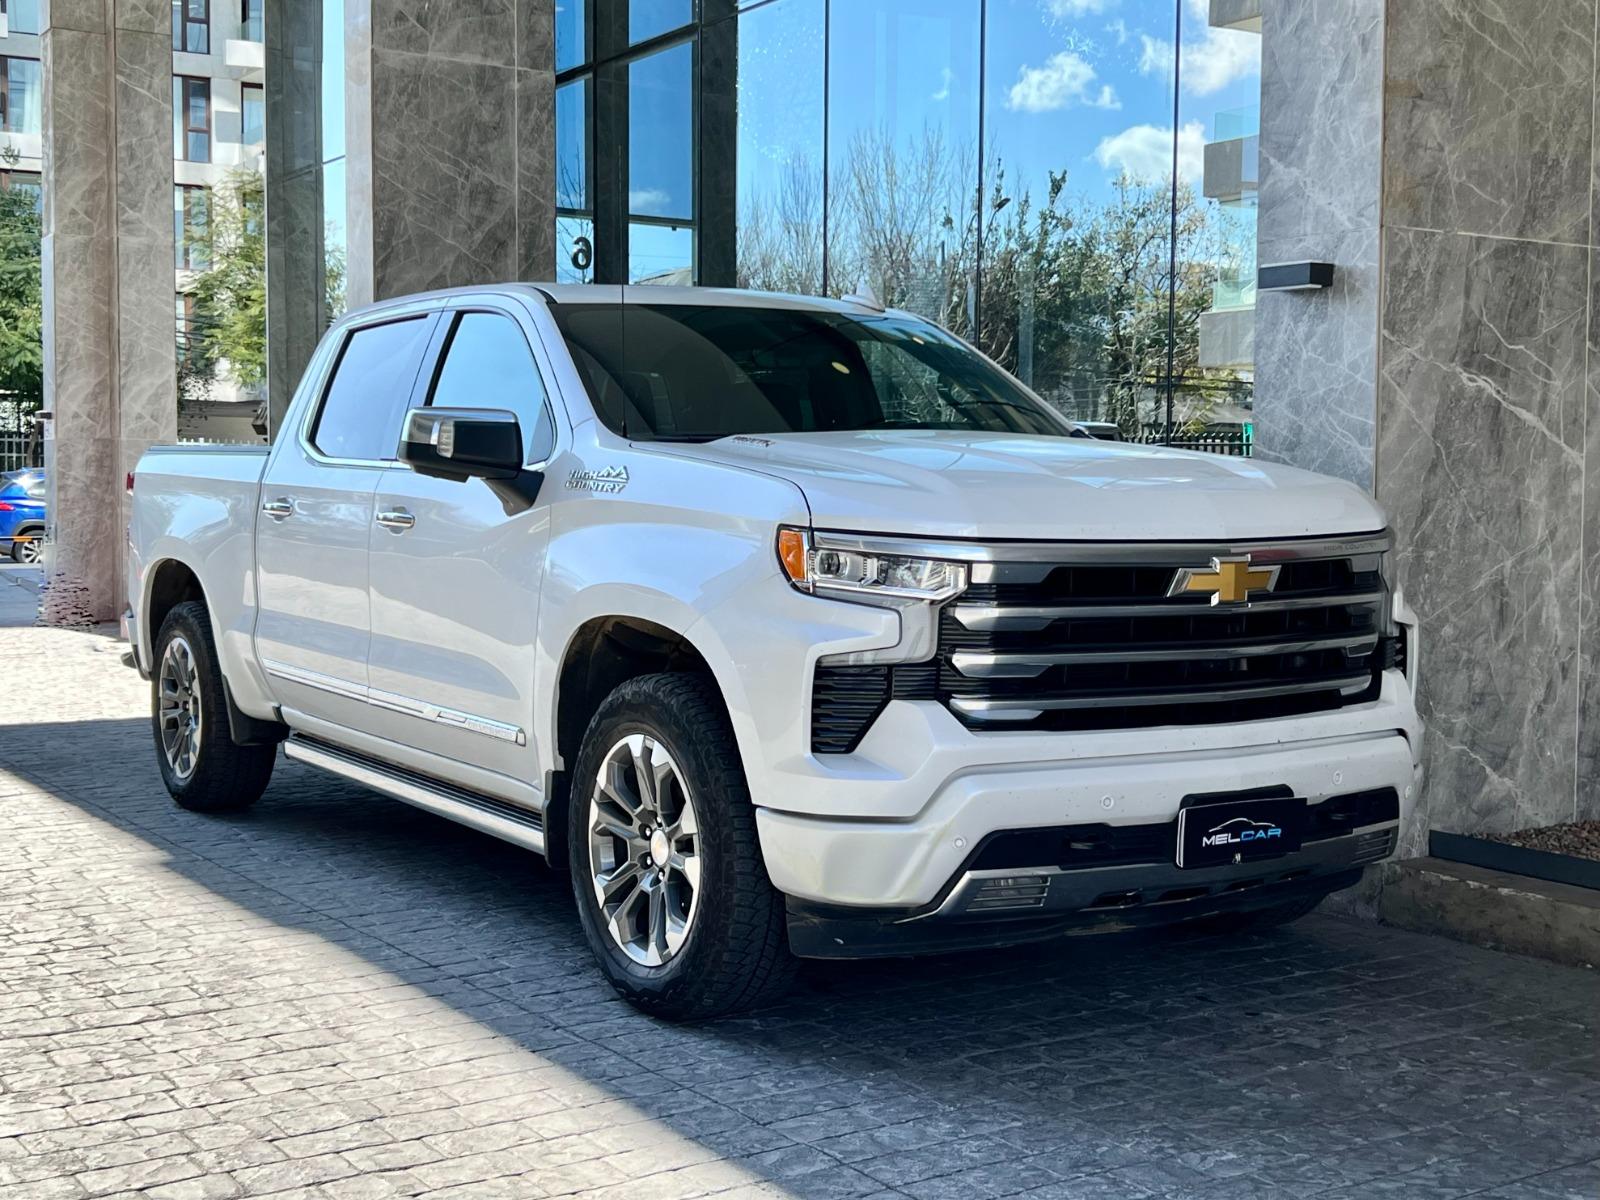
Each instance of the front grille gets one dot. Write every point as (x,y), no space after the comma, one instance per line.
(1099,644)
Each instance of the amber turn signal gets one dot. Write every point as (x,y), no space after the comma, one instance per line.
(793,549)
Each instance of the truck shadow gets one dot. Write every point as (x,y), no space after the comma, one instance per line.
(1190,1059)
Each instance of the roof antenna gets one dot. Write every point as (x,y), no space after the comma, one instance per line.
(865,297)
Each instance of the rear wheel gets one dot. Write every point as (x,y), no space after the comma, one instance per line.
(26,547)
(673,895)
(200,764)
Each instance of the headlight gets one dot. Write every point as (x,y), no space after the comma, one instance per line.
(862,575)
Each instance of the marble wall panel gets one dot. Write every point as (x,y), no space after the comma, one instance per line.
(88,16)
(1480,463)
(444,180)
(1321,120)
(480,31)
(536,34)
(535,178)
(1489,117)
(1316,399)
(77,115)
(1586,797)
(155,17)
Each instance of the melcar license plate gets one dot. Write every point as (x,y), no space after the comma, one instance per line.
(1214,835)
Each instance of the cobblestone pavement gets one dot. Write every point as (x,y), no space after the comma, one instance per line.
(337,996)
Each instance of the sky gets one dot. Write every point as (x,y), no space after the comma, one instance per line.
(1080,85)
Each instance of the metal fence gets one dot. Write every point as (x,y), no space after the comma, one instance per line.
(19,448)
(1238,443)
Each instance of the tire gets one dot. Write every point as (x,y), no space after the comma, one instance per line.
(732,951)
(27,552)
(202,767)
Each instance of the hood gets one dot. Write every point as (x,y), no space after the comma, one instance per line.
(958,484)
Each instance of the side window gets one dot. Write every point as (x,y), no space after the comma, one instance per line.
(488,365)
(363,406)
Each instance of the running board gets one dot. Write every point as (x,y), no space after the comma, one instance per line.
(498,818)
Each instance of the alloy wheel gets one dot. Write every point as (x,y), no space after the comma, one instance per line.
(29,552)
(179,711)
(644,850)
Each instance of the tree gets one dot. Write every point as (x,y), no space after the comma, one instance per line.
(1074,294)
(228,333)
(21,290)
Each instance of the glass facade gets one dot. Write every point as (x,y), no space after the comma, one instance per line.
(1069,185)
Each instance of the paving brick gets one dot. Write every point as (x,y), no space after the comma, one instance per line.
(334,997)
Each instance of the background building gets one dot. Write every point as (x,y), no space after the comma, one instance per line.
(1083,187)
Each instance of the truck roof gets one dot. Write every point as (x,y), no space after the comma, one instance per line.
(653,294)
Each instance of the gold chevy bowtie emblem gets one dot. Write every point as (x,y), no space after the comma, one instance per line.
(1230,580)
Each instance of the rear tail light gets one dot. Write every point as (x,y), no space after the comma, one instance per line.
(4,507)
(130,482)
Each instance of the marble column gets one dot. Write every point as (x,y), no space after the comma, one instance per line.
(450,143)
(1483,393)
(107,265)
(1441,155)
(1321,167)
(297,76)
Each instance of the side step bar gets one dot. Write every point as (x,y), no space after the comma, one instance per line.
(498,818)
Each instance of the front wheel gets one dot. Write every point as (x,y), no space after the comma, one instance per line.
(200,764)
(673,895)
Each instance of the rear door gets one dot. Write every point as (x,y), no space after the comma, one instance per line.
(455,576)
(314,616)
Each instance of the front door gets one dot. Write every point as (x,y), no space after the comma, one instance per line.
(455,577)
(314,620)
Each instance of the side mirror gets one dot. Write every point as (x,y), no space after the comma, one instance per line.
(463,443)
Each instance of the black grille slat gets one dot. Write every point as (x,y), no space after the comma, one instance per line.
(844,703)
(1188,662)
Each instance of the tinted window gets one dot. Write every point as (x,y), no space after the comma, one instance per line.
(699,373)
(488,365)
(371,386)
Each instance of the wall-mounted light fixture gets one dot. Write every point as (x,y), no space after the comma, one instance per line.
(1294,276)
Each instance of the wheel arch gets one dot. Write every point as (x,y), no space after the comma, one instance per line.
(173,582)
(603,653)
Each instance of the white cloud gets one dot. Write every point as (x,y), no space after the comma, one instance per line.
(1064,79)
(1077,8)
(1119,30)
(1144,153)
(945,76)
(1212,58)
(647,200)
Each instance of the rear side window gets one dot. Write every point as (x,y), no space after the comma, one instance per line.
(488,365)
(363,406)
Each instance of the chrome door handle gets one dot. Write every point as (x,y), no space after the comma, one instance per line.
(278,509)
(397,519)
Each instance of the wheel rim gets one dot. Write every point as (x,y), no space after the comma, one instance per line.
(179,711)
(644,850)
(28,552)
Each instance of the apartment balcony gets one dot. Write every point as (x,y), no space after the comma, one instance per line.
(244,47)
(1232,165)
(1243,15)
(1228,329)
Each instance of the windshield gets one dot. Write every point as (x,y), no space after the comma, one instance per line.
(684,372)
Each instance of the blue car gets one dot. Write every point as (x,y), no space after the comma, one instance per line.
(22,496)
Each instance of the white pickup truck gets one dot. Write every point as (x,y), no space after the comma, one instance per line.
(790,627)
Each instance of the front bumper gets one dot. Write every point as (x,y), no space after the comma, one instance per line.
(907,863)
(1137,898)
